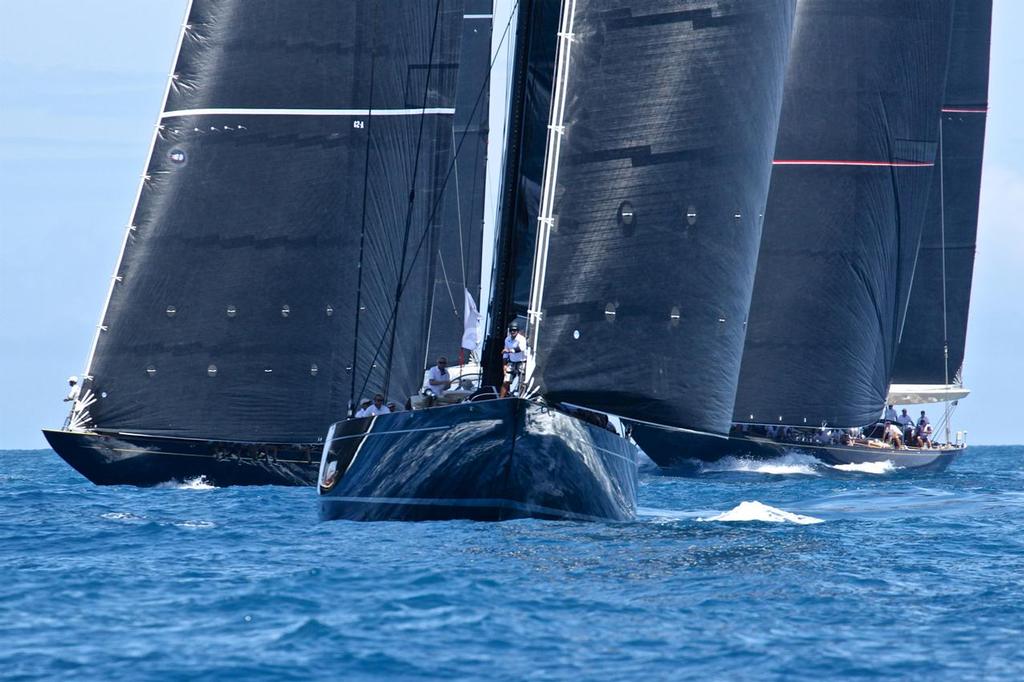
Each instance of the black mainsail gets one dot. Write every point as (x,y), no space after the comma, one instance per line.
(854,164)
(638,181)
(274,266)
(931,350)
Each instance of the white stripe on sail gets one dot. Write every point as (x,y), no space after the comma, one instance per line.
(307,112)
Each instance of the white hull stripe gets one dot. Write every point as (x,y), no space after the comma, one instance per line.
(306,112)
(390,433)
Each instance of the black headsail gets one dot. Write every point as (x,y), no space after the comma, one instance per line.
(940,298)
(639,215)
(298,161)
(853,168)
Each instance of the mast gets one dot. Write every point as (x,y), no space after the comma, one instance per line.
(500,306)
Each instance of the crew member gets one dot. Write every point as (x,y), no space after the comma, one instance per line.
(906,423)
(75,391)
(376,408)
(514,355)
(438,381)
(890,414)
(72,397)
(893,435)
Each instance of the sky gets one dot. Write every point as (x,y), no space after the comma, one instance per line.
(80,90)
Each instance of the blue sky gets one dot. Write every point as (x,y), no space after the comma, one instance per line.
(80,89)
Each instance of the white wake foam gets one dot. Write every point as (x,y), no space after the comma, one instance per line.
(120,516)
(790,464)
(197,483)
(884,467)
(756,511)
(195,524)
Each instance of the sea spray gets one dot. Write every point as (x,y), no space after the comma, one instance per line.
(883,467)
(790,464)
(757,511)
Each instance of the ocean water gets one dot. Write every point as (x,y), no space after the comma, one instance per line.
(786,570)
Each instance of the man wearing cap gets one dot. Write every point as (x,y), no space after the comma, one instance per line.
(75,391)
(376,408)
(514,355)
(72,397)
(438,380)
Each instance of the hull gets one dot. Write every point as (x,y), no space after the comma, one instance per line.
(683,452)
(142,460)
(488,461)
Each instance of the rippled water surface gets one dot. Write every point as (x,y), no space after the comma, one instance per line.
(824,574)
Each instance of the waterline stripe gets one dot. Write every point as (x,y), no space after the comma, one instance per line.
(306,112)
(496,503)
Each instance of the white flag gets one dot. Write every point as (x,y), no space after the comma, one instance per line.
(470,322)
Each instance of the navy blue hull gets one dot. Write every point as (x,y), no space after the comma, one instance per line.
(683,452)
(142,460)
(487,461)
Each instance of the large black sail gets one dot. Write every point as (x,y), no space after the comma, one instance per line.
(940,298)
(458,247)
(650,203)
(295,173)
(854,165)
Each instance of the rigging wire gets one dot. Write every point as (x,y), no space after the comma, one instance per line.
(942,244)
(437,203)
(362,224)
(444,272)
(400,285)
(458,211)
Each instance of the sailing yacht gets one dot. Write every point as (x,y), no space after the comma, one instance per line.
(299,222)
(864,272)
(636,167)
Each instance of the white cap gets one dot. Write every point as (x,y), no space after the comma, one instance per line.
(73,378)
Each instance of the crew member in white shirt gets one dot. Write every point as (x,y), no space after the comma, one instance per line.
(75,391)
(438,380)
(514,355)
(906,423)
(72,397)
(374,409)
(890,414)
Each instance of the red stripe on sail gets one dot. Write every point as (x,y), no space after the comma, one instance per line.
(835,162)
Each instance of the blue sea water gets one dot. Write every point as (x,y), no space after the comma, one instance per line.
(905,576)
